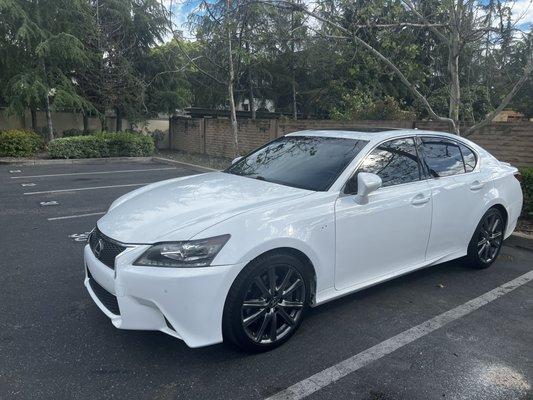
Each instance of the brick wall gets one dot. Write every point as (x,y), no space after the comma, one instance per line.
(508,141)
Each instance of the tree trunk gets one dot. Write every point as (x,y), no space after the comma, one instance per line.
(33,112)
(455,85)
(231,81)
(251,101)
(454,45)
(49,126)
(103,122)
(293,71)
(85,122)
(118,126)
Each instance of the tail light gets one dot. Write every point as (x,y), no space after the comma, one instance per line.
(518,176)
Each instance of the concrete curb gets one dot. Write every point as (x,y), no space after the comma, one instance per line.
(520,240)
(175,162)
(75,161)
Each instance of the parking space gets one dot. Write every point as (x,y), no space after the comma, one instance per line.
(56,344)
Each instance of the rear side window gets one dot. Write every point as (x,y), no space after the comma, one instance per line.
(395,162)
(442,157)
(469,158)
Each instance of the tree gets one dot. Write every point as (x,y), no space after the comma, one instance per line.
(219,30)
(126,31)
(456,26)
(44,37)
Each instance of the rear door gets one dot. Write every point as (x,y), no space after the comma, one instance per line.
(458,188)
(390,233)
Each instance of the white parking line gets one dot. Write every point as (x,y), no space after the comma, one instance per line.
(75,216)
(86,188)
(95,172)
(332,374)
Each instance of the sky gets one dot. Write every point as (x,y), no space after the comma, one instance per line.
(522,11)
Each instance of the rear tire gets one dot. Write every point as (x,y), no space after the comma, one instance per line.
(487,240)
(267,302)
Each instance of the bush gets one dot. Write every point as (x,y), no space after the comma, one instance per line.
(527,188)
(19,143)
(122,144)
(77,132)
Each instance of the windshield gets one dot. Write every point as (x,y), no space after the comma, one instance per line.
(307,162)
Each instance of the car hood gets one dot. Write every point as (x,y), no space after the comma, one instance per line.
(178,209)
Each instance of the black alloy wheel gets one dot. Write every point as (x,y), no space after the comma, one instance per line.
(266,303)
(487,240)
(273,304)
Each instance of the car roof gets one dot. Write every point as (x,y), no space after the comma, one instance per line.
(373,134)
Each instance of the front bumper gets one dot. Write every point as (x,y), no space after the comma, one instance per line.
(186,303)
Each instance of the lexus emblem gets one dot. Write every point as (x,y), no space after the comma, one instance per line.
(98,248)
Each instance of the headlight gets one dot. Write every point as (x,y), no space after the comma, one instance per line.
(189,254)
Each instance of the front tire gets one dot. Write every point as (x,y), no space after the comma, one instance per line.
(266,303)
(487,240)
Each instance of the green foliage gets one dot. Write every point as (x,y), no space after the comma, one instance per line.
(19,143)
(527,188)
(76,132)
(123,144)
(361,106)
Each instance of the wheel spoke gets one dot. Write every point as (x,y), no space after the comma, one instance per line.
(495,235)
(272,280)
(286,280)
(254,317)
(273,327)
(286,316)
(482,242)
(264,325)
(292,304)
(264,291)
(487,252)
(292,288)
(482,249)
(254,304)
(495,224)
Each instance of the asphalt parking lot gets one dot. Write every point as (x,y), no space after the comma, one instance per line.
(56,344)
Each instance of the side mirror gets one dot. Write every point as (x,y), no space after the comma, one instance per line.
(236,160)
(366,184)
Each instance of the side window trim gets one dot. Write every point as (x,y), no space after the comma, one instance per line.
(421,169)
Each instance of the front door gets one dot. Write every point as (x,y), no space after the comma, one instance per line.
(390,232)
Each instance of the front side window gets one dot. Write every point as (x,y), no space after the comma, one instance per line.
(307,162)
(442,157)
(395,162)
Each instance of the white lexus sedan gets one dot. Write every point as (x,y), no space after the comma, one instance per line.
(240,254)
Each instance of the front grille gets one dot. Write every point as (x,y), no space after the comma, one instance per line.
(104,248)
(107,299)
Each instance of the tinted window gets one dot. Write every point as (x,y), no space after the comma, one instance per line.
(395,162)
(469,158)
(306,162)
(442,157)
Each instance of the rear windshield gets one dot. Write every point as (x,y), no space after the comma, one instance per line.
(306,162)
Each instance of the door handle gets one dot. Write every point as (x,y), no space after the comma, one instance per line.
(476,185)
(420,199)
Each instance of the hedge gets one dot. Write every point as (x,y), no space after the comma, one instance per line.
(122,144)
(527,188)
(19,143)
